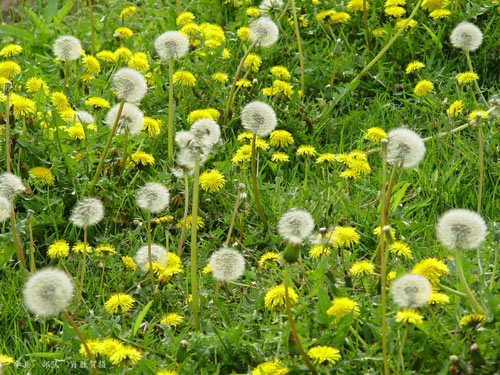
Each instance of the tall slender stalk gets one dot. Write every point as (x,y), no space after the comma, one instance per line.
(7,87)
(70,320)
(194,248)
(184,218)
(32,243)
(92,30)
(465,286)
(401,363)
(476,85)
(365,22)
(170,108)
(299,47)
(106,148)
(233,218)
(125,147)
(293,328)
(233,86)
(481,163)
(84,266)
(150,259)
(66,72)
(17,240)
(258,203)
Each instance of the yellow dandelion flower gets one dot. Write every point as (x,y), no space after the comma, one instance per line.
(362,268)
(172,319)
(199,222)
(270,368)
(8,69)
(6,360)
(120,301)
(280,157)
(467,77)
(325,159)
(472,319)
(243,83)
(346,236)
(189,29)
(206,270)
(252,12)
(321,354)
(391,276)
(401,249)
(212,180)
(269,258)
(409,316)
(97,102)
(226,54)
(128,12)
(306,150)
(431,268)
(282,86)
(318,251)
(474,115)
(341,306)
(91,64)
(242,155)
(43,174)
(79,248)
(96,347)
(164,219)
(105,249)
(252,62)
(76,131)
(141,158)
(455,108)
(184,78)
(350,174)
(22,106)
(378,32)
(107,56)
(184,18)
(245,136)
(392,232)
(275,297)
(173,267)
(395,11)
(410,24)
(356,5)
(260,144)
(437,298)
(151,127)
(139,62)
(198,114)
(279,71)
(414,66)
(125,355)
(59,100)
(128,263)
(34,84)
(440,14)
(86,77)
(123,53)
(167,372)
(123,33)
(375,135)
(431,5)
(423,88)
(220,77)
(11,50)
(58,249)
(243,33)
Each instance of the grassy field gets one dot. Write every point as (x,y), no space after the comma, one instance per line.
(330,162)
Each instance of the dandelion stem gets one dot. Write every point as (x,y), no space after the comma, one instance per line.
(388,194)
(233,86)
(184,219)
(258,203)
(194,248)
(17,240)
(106,148)
(125,146)
(283,12)
(66,72)
(299,47)
(358,337)
(451,290)
(476,85)
(32,244)
(465,286)
(401,364)
(481,163)
(170,108)
(365,22)
(494,271)
(295,335)
(150,259)
(92,30)
(84,265)
(179,6)
(7,125)
(82,339)
(233,218)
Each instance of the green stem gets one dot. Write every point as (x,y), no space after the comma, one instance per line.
(150,259)
(233,218)
(7,125)
(125,146)
(365,22)
(170,108)
(82,339)
(451,290)
(106,148)
(295,335)
(494,271)
(299,47)
(184,218)
(476,85)
(17,240)
(92,30)
(387,200)
(481,164)
(465,286)
(358,337)
(401,364)
(233,86)
(32,246)
(84,265)
(306,172)
(194,248)
(258,203)
(66,72)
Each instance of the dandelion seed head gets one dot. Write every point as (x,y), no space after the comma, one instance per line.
(47,292)
(171,45)
(466,36)
(206,128)
(295,225)
(10,185)
(129,85)
(268,5)
(258,118)
(227,264)
(461,229)
(153,197)
(84,117)
(67,47)
(5,207)
(158,254)
(405,147)
(131,119)
(87,212)
(264,32)
(411,290)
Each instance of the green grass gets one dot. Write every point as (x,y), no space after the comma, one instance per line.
(239,333)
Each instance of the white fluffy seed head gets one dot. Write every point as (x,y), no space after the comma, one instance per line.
(129,85)
(226,264)
(171,45)
(4,209)
(263,31)
(187,156)
(461,229)
(466,36)
(411,290)
(268,5)
(84,117)
(158,254)
(67,47)
(206,128)
(295,225)
(87,212)
(153,197)
(131,118)
(47,292)
(10,185)
(258,118)
(406,148)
